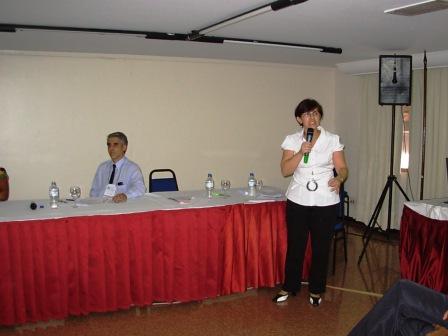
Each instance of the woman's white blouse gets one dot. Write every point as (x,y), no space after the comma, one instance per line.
(319,168)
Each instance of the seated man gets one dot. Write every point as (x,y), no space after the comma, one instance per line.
(405,309)
(118,178)
(4,185)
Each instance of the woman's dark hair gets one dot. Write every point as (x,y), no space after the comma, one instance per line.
(308,105)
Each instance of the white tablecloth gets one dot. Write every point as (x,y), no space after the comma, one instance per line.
(20,210)
(433,208)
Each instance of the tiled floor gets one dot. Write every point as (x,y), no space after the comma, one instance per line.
(350,294)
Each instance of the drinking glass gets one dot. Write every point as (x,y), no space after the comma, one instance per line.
(225,185)
(259,185)
(75,193)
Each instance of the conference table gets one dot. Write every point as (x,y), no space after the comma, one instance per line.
(424,243)
(162,247)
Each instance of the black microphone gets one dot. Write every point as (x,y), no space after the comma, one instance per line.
(34,206)
(309,137)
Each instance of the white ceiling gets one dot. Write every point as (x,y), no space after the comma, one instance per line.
(359,27)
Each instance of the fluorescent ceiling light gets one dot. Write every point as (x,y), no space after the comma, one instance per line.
(330,50)
(418,8)
(234,20)
(273,6)
(12,28)
(271,44)
(194,36)
(92,32)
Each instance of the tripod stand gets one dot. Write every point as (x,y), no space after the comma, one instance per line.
(391,179)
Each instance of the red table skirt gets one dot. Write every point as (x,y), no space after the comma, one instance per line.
(424,250)
(50,269)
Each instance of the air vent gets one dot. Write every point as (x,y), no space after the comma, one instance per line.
(419,8)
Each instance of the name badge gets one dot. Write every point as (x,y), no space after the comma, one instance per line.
(111,190)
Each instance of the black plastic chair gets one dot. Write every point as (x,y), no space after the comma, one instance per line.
(162,183)
(339,228)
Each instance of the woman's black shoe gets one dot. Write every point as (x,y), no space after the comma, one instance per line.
(282,296)
(315,300)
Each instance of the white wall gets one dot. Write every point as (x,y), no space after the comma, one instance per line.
(191,115)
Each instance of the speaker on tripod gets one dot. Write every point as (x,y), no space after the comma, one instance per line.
(395,87)
(395,80)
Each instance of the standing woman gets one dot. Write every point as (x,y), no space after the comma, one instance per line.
(312,199)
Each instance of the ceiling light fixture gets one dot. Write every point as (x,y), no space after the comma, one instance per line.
(200,35)
(228,22)
(13,28)
(418,8)
(273,6)
(284,45)
(194,36)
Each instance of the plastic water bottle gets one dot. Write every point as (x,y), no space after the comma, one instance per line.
(251,184)
(209,185)
(54,195)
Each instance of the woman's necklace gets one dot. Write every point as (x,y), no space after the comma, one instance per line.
(312,185)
